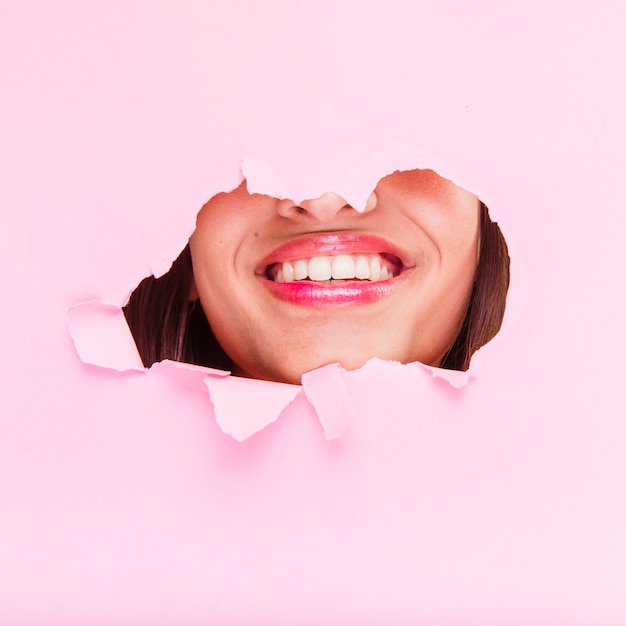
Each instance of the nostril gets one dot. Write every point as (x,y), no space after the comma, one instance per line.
(287,209)
(326,207)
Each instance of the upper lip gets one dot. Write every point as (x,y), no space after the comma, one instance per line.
(330,244)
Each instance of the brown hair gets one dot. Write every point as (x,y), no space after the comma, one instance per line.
(166,325)
(488,299)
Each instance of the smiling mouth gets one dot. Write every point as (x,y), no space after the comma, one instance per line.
(336,269)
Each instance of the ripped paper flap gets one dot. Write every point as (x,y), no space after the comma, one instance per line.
(102,337)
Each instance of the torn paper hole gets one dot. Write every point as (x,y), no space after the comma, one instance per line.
(270,290)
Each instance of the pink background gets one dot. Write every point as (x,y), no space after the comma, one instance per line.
(122,499)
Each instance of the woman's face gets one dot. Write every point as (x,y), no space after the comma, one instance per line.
(290,288)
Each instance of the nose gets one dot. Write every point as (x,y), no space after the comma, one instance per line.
(323,209)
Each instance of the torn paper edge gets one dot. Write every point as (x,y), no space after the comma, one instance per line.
(102,337)
(326,389)
(355,185)
(109,323)
(244,406)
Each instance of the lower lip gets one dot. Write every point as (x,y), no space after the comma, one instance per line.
(308,293)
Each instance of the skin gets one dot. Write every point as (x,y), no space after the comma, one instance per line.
(433,226)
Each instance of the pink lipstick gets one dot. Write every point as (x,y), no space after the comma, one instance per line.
(338,269)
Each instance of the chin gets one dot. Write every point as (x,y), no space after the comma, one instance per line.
(351,357)
(294,374)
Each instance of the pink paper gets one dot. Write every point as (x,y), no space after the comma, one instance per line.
(386,495)
(326,390)
(243,407)
(102,337)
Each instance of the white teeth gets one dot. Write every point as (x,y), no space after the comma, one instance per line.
(300,269)
(375,268)
(370,267)
(320,268)
(343,266)
(362,268)
(287,272)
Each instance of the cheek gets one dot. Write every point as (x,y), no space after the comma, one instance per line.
(454,232)
(220,288)
(460,251)
(456,228)
(213,244)
(218,301)
(207,246)
(209,260)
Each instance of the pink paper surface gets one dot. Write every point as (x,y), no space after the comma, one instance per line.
(124,499)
